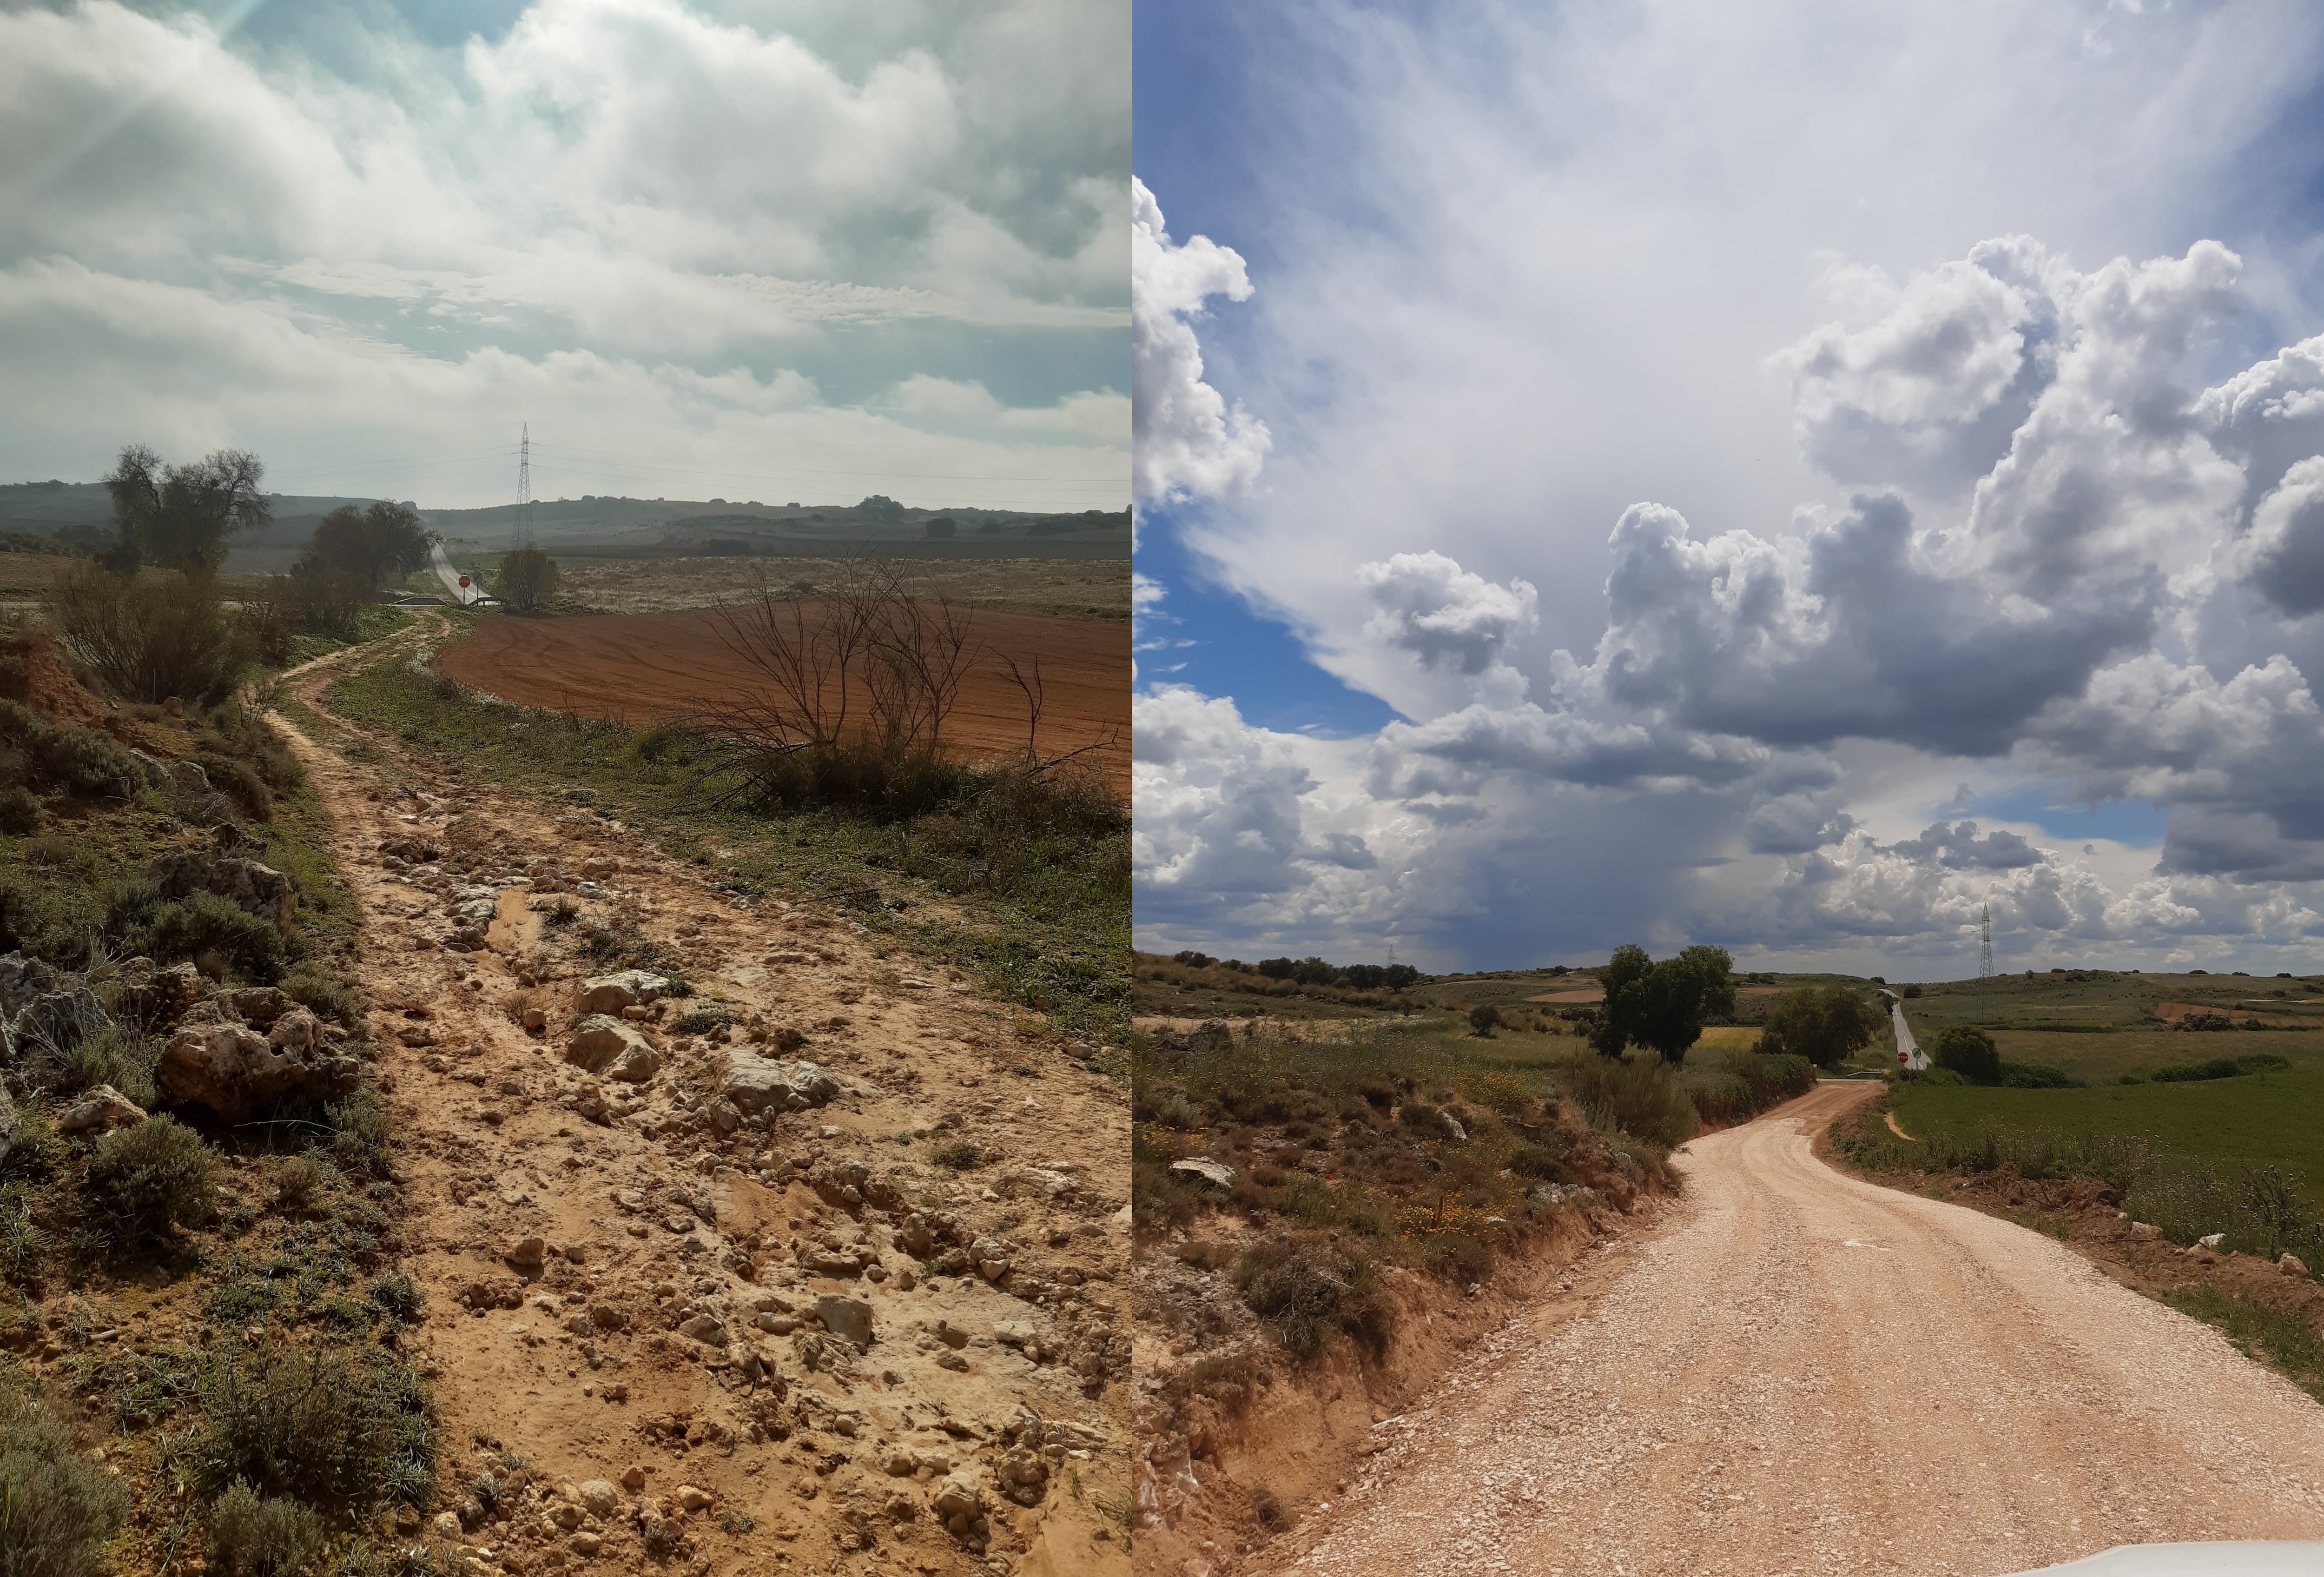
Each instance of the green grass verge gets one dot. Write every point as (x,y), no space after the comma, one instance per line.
(2281,1340)
(374,623)
(1057,941)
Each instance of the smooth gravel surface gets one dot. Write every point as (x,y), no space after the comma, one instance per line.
(1802,1372)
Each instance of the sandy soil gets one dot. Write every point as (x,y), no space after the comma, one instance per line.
(648,1211)
(647,666)
(1806,1372)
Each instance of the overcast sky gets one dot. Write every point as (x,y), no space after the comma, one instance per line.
(771,249)
(1786,476)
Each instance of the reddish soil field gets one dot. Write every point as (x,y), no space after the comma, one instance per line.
(645,666)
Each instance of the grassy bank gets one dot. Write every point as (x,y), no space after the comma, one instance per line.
(1441,1154)
(1041,918)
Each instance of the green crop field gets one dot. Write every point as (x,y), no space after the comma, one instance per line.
(2259,1120)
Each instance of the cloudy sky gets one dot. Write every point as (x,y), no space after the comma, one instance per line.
(774,249)
(1788,476)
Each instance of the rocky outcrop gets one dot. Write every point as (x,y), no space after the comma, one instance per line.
(22,978)
(610,994)
(760,1084)
(255,888)
(149,996)
(100,1109)
(56,1021)
(228,1066)
(848,1318)
(611,1049)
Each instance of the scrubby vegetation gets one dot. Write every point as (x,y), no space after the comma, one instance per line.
(149,819)
(57,1509)
(1230,986)
(1347,1155)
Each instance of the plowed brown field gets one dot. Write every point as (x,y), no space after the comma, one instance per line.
(646,667)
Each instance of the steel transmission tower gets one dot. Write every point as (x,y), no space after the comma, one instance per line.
(1985,964)
(522,536)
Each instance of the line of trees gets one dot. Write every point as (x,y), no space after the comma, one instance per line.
(1313,971)
(1826,1025)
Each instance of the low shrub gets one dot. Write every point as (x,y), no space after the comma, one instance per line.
(23,1246)
(117,1056)
(1742,1084)
(153,636)
(241,734)
(252,1536)
(1643,1097)
(203,923)
(326,996)
(361,1126)
(396,1295)
(331,1425)
(57,1508)
(1308,1291)
(2218,1067)
(2026,1075)
(959,1154)
(21,811)
(61,757)
(1536,1161)
(142,1183)
(297,1179)
(239,781)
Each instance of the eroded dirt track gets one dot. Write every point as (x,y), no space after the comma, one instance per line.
(1804,1373)
(662,1334)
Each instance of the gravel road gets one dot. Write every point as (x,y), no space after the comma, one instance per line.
(1800,1372)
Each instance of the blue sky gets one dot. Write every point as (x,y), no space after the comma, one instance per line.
(774,248)
(1787,476)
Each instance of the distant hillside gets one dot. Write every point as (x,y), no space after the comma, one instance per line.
(596,524)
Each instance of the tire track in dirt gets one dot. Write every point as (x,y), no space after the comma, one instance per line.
(667,1345)
(1805,1372)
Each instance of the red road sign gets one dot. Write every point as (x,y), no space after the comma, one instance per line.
(463,583)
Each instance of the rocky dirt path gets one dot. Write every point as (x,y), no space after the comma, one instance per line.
(693,1318)
(1801,1372)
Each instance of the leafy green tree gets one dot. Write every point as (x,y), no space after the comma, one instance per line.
(1716,970)
(1663,1006)
(1624,980)
(1967,1051)
(1483,1019)
(373,541)
(1672,1018)
(1826,1025)
(527,581)
(179,516)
